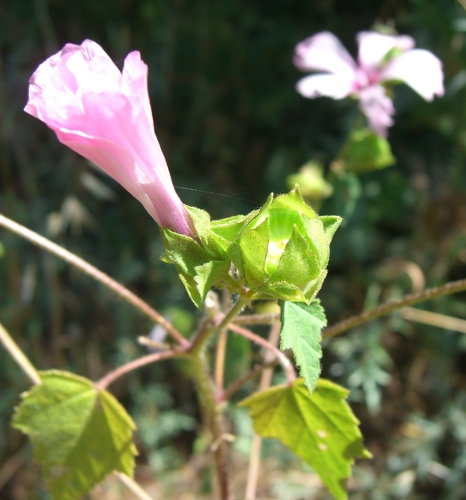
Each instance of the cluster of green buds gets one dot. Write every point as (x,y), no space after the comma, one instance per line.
(280,251)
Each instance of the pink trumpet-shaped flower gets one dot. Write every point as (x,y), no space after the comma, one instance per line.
(381,58)
(105,115)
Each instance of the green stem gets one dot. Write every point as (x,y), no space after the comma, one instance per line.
(92,271)
(212,418)
(394,305)
(211,325)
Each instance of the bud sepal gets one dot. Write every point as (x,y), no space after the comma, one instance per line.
(280,251)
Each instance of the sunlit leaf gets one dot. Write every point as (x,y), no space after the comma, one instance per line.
(301,331)
(79,435)
(319,427)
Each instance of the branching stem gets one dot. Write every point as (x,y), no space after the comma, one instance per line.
(282,359)
(394,305)
(105,381)
(95,273)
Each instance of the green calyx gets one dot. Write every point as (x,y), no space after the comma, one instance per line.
(280,251)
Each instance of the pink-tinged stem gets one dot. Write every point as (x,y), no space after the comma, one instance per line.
(105,381)
(282,359)
(92,271)
(394,305)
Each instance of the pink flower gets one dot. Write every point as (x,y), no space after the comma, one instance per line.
(105,116)
(381,58)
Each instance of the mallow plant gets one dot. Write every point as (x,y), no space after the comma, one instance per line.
(383,61)
(278,253)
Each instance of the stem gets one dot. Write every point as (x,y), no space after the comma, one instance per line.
(222,344)
(132,486)
(105,381)
(212,419)
(255,454)
(92,271)
(283,360)
(257,319)
(18,355)
(237,384)
(220,358)
(394,305)
(211,325)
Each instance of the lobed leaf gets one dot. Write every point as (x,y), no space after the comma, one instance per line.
(79,434)
(319,427)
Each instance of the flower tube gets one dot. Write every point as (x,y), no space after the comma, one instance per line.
(105,115)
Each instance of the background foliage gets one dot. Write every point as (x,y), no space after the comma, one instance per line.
(233,128)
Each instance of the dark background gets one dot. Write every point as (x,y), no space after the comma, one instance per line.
(232,128)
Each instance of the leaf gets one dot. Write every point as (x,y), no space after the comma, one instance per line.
(79,434)
(366,151)
(301,331)
(319,427)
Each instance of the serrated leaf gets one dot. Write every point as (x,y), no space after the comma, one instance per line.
(79,434)
(301,331)
(319,427)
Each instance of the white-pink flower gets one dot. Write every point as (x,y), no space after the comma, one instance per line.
(382,58)
(105,115)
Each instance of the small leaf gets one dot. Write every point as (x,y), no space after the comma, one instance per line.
(79,435)
(301,331)
(319,427)
(366,151)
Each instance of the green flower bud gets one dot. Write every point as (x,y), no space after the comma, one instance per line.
(281,250)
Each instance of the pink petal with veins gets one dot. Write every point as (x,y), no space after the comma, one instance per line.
(105,116)
(324,52)
(374,47)
(378,108)
(325,85)
(419,69)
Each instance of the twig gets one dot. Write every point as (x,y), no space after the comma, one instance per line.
(95,273)
(394,305)
(255,454)
(220,358)
(105,381)
(10,467)
(237,384)
(256,319)
(221,348)
(282,359)
(434,319)
(215,324)
(132,485)
(18,355)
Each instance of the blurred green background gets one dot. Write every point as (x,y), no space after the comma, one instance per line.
(232,128)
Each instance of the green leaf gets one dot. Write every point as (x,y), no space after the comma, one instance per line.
(367,151)
(301,331)
(319,427)
(79,434)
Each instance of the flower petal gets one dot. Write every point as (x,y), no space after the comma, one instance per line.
(373,47)
(419,69)
(334,86)
(105,116)
(324,52)
(378,108)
